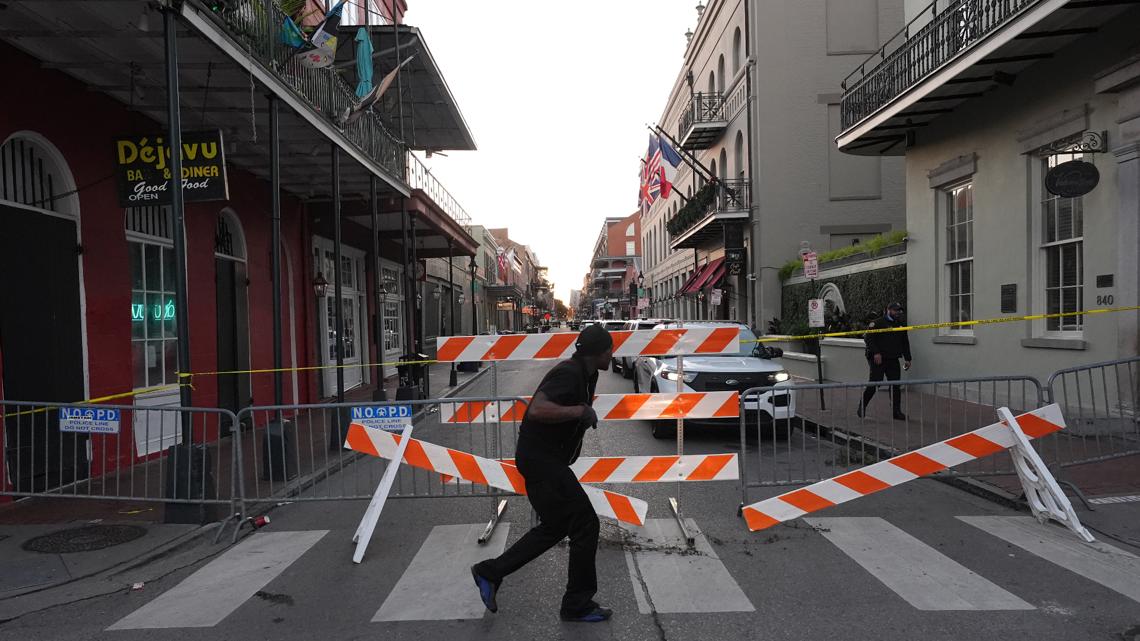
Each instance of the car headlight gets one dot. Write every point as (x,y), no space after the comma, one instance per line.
(780,377)
(671,375)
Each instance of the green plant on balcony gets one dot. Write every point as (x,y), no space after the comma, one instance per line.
(694,210)
(872,248)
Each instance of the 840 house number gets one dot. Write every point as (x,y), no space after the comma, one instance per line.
(1106,299)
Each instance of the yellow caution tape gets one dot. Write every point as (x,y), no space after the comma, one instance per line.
(948,324)
(272,370)
(99,399)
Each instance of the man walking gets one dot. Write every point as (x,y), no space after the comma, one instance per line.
(883,353)
(550,440)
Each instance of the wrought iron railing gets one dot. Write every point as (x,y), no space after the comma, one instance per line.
(719,197)
(703,107)
(940,33)
(733,195)
(420,177)
(257,25)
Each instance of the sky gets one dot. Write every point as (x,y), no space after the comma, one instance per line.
(557,96)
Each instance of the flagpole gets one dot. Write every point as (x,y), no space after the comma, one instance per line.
(676,191)
(692,160)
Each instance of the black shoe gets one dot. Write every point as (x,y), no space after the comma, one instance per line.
(595,615)
(899,416)
(487,590)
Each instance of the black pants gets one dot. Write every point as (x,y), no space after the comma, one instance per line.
(563,510)
(890,369)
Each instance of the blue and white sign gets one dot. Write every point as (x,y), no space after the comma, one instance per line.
(89,420)
(390,418)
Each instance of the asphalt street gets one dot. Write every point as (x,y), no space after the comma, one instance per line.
(921,561)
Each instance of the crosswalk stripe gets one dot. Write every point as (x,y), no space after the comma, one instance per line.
(212,593)
(680,583)
(1109,566)
(922,576)
(437,585)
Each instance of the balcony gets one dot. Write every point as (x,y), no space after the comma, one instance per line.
(420,177)
(951,52)
(703,121)
(701,221)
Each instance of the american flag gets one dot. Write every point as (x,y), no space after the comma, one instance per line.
(658,170)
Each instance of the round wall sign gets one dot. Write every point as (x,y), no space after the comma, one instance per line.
(1072,179)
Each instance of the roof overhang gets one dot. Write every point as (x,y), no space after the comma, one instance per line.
(993,61)
(432,119)
(709,230)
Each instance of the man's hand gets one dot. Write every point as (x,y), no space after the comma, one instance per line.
(878,358)
(906,364)
(589,417)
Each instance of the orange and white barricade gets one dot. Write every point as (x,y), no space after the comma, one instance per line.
(609,407)
(651,469)
(484,471)
(1011,433)
(645,342)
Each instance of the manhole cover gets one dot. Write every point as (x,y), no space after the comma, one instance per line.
(84,539)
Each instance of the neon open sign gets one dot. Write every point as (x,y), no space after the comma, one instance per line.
(157,312)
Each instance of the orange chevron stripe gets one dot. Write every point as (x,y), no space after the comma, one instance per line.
(453,347)
(468,412)
(622,508)
(358,440)
(917,464)
(974,445)
(861,482)
(556,345)
(682,405)
(1035,426)
(710,467)
(757,520)
(503,347)
(655,468)
(619,337)
(515,413)
(601,470)
(730,409)
(415,454)
(627,406)
(806,500)
(516,478)
(663,342)
(718,340)
(468,468)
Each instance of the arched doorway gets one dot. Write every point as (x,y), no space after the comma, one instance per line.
(231,293)
(42,346)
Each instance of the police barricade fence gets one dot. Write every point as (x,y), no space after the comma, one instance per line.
(802,433)
(1100,402)
(297,452)
(174,455)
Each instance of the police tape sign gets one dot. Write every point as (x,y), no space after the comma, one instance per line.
(390,418)
(89,420)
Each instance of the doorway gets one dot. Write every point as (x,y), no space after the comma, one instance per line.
(231,293)
(41,317)
(353,308)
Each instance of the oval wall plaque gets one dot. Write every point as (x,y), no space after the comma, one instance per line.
(1072,179)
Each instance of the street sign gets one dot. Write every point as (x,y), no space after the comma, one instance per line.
(715,297)
(811,265)
(815,312)
(143,175)
(89,420)
(643,303)
(390,418)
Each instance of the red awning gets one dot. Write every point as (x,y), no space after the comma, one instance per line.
(694,281)
(704,276)
(717,275)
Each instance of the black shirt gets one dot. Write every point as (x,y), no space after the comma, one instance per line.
(889,344)
(544,444)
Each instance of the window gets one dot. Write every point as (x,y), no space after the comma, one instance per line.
(720,74)
(736,51)
(738,155)
(630,248)
(154,345)
(1063,248)
(723,175)
(960,251)
(631,231)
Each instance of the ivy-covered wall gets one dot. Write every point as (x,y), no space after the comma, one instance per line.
(865,295)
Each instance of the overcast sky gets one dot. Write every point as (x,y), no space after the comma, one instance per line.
(557,95)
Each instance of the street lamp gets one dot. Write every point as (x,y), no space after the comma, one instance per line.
(462,298)
(320,285)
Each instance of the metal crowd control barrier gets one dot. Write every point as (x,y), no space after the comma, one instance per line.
(119,452)
(1100,404)
(823,435)
(296,452)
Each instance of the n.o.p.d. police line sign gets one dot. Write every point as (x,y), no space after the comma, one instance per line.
(390,418)
(89,420)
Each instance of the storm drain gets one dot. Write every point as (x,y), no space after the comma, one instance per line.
(84,539)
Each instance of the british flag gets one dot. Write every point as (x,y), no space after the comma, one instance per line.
(658,170)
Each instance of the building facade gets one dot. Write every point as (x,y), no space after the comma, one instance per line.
(755,106)
(983,113)
(614,270)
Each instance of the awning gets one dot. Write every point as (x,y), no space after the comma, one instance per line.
(717,275)
(687,288)
(702,277)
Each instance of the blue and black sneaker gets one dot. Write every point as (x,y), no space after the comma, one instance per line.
(487,590)
(595,615)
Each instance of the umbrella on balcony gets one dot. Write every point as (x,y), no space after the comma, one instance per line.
(363,62)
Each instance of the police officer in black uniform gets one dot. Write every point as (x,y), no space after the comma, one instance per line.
(550,440)
(883,353)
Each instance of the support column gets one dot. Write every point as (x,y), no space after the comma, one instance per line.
(338,285)
(275,253)
(454,380)
(378,287)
